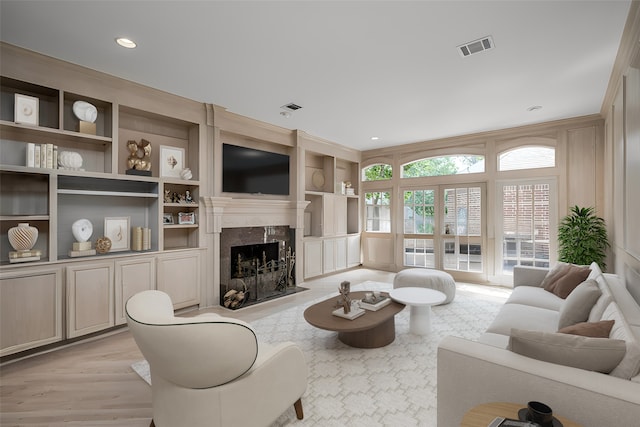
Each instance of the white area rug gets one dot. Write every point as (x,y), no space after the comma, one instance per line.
(389,386)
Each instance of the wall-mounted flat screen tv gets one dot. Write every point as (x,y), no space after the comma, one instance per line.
(247,170)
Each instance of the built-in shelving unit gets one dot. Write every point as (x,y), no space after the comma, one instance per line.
(332,216)
(51,198)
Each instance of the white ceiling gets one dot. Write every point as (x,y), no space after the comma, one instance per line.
(358,68)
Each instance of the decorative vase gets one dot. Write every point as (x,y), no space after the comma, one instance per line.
(23,237)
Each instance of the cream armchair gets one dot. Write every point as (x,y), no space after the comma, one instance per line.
(210,371)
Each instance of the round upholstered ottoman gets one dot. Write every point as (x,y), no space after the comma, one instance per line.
(426,278)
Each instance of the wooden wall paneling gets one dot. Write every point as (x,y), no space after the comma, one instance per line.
(632,163)
(581,167)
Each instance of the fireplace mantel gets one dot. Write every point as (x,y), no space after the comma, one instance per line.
(227,212)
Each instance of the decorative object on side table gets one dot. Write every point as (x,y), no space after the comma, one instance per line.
(117,230)
(103,245)
(171,161)
(87,114)
(82,230)
(26,109)
(139,160)
(23,238)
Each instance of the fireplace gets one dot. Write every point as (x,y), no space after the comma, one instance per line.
(256,265)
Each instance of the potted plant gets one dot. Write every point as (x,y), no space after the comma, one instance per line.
(582,238)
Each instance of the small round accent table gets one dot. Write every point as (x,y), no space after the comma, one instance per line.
(420,300)
(482,415)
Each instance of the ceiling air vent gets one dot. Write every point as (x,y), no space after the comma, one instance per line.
(291,107)
(476,46)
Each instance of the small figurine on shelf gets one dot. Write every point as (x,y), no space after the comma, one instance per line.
(174,197)
(188,197)
(167,196)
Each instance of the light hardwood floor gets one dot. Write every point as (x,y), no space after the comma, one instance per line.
(92,383)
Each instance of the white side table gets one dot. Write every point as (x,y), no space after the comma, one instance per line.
(420,300)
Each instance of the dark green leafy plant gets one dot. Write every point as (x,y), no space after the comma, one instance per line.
(582,238)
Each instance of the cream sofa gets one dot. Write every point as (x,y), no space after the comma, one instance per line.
(475,372)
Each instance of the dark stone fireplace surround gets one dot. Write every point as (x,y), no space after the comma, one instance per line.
(256,245)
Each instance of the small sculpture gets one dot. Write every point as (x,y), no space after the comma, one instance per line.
(139,155)
(167,196)
(344,301)
(188,197)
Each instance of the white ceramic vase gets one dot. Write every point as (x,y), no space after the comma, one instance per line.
(23,237)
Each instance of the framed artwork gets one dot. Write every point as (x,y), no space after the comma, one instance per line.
(186,218)
(171,161)
(117,229)
(167,218)
(26,109)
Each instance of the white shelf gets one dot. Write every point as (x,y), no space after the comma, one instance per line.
(24,217)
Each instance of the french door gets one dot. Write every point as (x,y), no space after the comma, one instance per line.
(444,227)
(526,221)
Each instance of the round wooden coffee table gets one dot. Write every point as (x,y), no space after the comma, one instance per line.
(371,330)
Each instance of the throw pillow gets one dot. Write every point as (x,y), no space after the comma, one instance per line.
(565,279)
(549,282)
(600,329)
(578,305)
(593,354)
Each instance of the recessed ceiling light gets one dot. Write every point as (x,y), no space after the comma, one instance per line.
(285,114)
(535,108)
(125,42)
(375,138)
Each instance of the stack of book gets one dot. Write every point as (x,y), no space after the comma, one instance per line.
(42,156)
(375,304)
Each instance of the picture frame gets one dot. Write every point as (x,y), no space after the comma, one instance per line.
(117,230)
(167,218)
(26,109)
(171,161)
(186,218)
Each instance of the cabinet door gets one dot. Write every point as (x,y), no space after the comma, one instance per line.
(341,253)
(179,276)
(312,258)
(30,309)
(353,251)
(89,298)
(340,215)
(132,276)
(328,256)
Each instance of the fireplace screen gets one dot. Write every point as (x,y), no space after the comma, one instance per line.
(258,272)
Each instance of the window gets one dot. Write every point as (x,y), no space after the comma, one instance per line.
(378,212)
(525,225)
(463,229)
(419,212)
(377,172)
(445,165)
(527,158)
